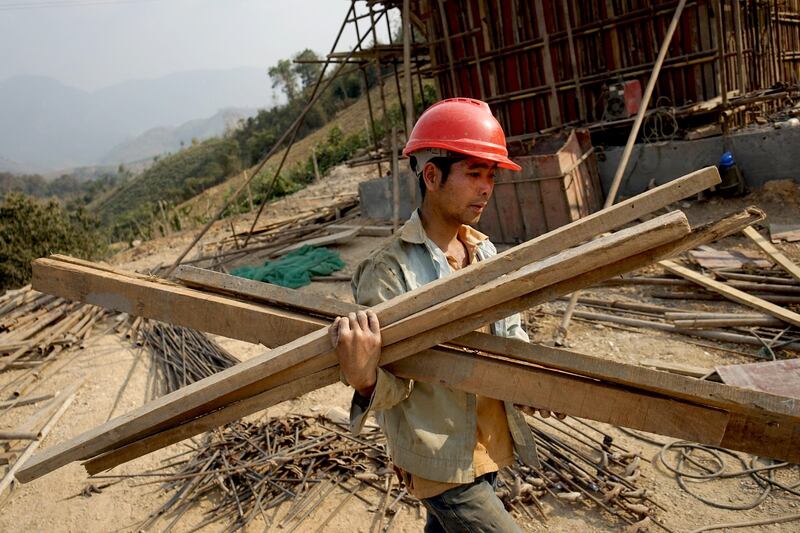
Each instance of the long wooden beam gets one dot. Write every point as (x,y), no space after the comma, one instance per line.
(707,392)
(159,299)
(259,292)
(709,233)
(763,435)
(258,374)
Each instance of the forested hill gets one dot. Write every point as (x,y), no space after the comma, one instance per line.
(133,211)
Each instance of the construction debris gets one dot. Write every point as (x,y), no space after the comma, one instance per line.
(181,356)
(320,226)
(281,469)
(40,335)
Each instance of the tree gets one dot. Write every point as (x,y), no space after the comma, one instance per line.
(284,76)
(308,72)
(31,228)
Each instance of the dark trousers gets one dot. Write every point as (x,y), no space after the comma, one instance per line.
(469,508)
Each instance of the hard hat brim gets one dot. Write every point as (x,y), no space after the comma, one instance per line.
(501,160)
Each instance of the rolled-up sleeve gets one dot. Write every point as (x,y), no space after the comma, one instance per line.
(376,281)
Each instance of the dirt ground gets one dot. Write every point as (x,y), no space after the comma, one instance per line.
(54,503)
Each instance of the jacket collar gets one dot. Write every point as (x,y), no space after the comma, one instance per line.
(413,232)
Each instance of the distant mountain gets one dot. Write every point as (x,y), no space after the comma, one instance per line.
(161,140)
(46,125)
(8,165)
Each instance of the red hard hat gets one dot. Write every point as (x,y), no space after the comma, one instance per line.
(461,125)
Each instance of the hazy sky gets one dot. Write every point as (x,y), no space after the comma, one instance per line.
(95,43)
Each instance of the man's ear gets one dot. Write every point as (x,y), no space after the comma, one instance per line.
(431,175)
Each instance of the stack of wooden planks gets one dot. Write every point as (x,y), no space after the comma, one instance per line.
(40,335)
(445,311)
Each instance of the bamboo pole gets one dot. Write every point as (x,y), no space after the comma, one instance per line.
(395,183)
(34,445)
(407,67)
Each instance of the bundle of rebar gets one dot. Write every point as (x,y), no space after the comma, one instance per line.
(180,355)
(282,470)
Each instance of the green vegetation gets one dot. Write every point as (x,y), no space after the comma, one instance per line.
(133,210)
(336,149)
(31,228)
(73,190)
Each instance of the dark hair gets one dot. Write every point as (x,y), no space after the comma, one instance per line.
(443,164)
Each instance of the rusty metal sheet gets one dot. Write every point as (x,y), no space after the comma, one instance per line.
(776,377)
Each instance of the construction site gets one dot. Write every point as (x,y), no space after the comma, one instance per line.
(650,243)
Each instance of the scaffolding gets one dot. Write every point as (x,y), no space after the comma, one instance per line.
(547,64)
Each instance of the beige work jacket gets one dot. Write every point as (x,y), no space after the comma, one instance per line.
(430,429)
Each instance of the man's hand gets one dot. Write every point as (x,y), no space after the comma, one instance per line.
(357,339)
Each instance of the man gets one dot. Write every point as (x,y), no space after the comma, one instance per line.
(447,446)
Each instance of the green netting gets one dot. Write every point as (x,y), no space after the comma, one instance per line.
(294,269)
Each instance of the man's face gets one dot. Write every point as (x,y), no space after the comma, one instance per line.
(467,190)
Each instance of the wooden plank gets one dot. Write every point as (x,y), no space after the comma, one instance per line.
(733,294)
(761,435)
(261,292)
(728,259)
(212,420)
(677,368)
(731,225)
(364,231)
(561,359)
(529,385)
(158,299)
(444,333)
(565,265)
(675,386)
(774,254)
(776,377)
(325,240)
